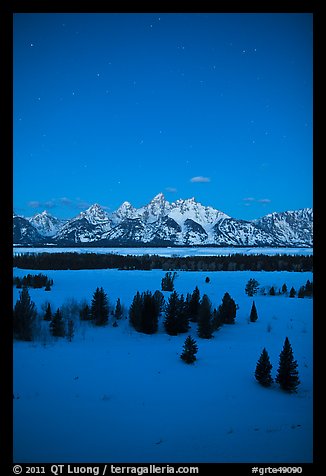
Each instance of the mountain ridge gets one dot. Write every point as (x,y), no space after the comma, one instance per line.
(161,223)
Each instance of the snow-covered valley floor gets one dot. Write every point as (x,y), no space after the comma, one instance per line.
(115,395)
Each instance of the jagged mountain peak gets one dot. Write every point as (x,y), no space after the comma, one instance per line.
(158,198)
(126,210)
(45,223)
(155,210)
(43,214)
(181,210)
(94,213)
(125,205)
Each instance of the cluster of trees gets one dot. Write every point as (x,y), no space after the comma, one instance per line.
(34,281)
(25,322)
(287,374)
(145,310)
(26,319)
(167,283)
(305,290)
(143,315)
(232,262)
(179,311)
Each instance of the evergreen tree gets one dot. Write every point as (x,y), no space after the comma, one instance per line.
(216,320)
(57,325)
(204,318)
(48,313)
(118,310)
(309,288)
(99,307)
(301,292)
(172,313)
(193,305)
(190,350)
(251,287)
(227,310)
(135,312)
(287,374)
(183,321)
(253,313)
(292,292)
(272,291)
(144,312)
(263,369)
(284,289)
(176,319)
(24,317)
(149,321)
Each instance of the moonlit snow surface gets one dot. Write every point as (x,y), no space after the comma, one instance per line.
(115,395)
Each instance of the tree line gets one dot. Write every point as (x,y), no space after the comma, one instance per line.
(34,281)
(144,313)
(232,262)
(305,290)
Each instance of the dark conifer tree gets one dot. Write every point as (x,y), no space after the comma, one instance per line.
(216,320)
(99,307)
(172,314)
(176,317)
(205,318)
(48,313)
(193,305)
(57,325)
(284,289)
(135,312)
(309,288)
(227,310)
(301,292)
(190,350)
(287,374)
(118,310)
(272,291)
(292,292)
(24,317)
(253,313)
(263,370)
(144,312)
(149,321)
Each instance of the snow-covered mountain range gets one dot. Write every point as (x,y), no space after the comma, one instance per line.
(161,223)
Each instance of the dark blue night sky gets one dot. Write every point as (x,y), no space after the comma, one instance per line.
(114,107)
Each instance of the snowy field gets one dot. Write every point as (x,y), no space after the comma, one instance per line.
(115,395)
(172,251)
